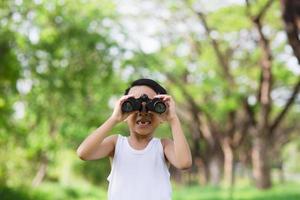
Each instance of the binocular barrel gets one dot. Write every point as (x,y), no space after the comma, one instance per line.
(155,105)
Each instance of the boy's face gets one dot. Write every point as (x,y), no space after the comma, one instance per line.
(143,123)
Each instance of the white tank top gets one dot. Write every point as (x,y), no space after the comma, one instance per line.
(139,174)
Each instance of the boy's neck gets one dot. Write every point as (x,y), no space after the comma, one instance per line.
(141,138)
(139,141)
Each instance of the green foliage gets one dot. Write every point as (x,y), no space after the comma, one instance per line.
(65,73)
(95,172)
(226,19)
(9,74)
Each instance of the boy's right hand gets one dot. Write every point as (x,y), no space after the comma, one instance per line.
(118,115)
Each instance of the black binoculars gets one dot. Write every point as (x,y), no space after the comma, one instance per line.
(155,105)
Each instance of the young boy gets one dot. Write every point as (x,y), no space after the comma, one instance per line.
(140,161)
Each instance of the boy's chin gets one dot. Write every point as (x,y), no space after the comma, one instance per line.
(143,132)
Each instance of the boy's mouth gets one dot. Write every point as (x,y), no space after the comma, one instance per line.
(143,122)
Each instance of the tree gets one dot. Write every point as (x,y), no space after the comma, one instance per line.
(227,77)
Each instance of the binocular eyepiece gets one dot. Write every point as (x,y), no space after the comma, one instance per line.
(133,104)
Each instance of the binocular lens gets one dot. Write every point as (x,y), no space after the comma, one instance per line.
(127,107)
(159,107)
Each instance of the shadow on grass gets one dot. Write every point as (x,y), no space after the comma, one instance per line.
(7,193)
(70,192)
(50,191)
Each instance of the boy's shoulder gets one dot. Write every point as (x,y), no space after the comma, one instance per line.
(112,138)
(166,141)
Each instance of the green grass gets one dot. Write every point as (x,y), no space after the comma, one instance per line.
(289,191)
(55,191)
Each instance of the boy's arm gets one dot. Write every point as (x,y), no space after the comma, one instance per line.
(97,145)
(177,151)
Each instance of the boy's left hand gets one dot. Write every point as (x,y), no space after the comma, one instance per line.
(171,111)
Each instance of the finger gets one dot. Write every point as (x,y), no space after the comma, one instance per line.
(167,99)
(125,97)
(164,97)
(167,104)
(161,96)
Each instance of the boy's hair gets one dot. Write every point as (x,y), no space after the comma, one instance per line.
(147,82)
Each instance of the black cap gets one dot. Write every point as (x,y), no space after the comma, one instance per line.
(147,82)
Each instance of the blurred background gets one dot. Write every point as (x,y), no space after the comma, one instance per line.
(232,67)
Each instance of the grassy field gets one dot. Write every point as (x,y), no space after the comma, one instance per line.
(289,191)
(51,191)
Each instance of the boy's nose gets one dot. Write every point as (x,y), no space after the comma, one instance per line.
(143,110)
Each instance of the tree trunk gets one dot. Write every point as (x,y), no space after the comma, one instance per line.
(215,166)
(228,162)
(261,163)
(202,170)
(199,166)
(281,173)
(41,173)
